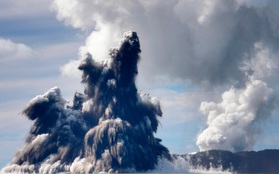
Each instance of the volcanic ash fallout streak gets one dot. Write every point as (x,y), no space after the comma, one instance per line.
(108,128)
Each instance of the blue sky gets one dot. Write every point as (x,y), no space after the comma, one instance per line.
(193,52)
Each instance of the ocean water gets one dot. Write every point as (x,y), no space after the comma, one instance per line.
(179,166)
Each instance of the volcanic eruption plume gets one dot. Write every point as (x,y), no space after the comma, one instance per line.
(107,128)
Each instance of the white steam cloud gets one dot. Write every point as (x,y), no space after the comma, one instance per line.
(233,124)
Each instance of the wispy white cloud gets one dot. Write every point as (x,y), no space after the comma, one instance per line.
(11,51)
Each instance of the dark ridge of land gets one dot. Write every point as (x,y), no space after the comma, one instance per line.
(265,161)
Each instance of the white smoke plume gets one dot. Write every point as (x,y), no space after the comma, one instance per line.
(233,123)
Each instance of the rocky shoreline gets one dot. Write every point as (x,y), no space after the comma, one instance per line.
(265,161)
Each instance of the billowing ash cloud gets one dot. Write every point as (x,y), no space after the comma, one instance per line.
(107,128)
(205,40)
